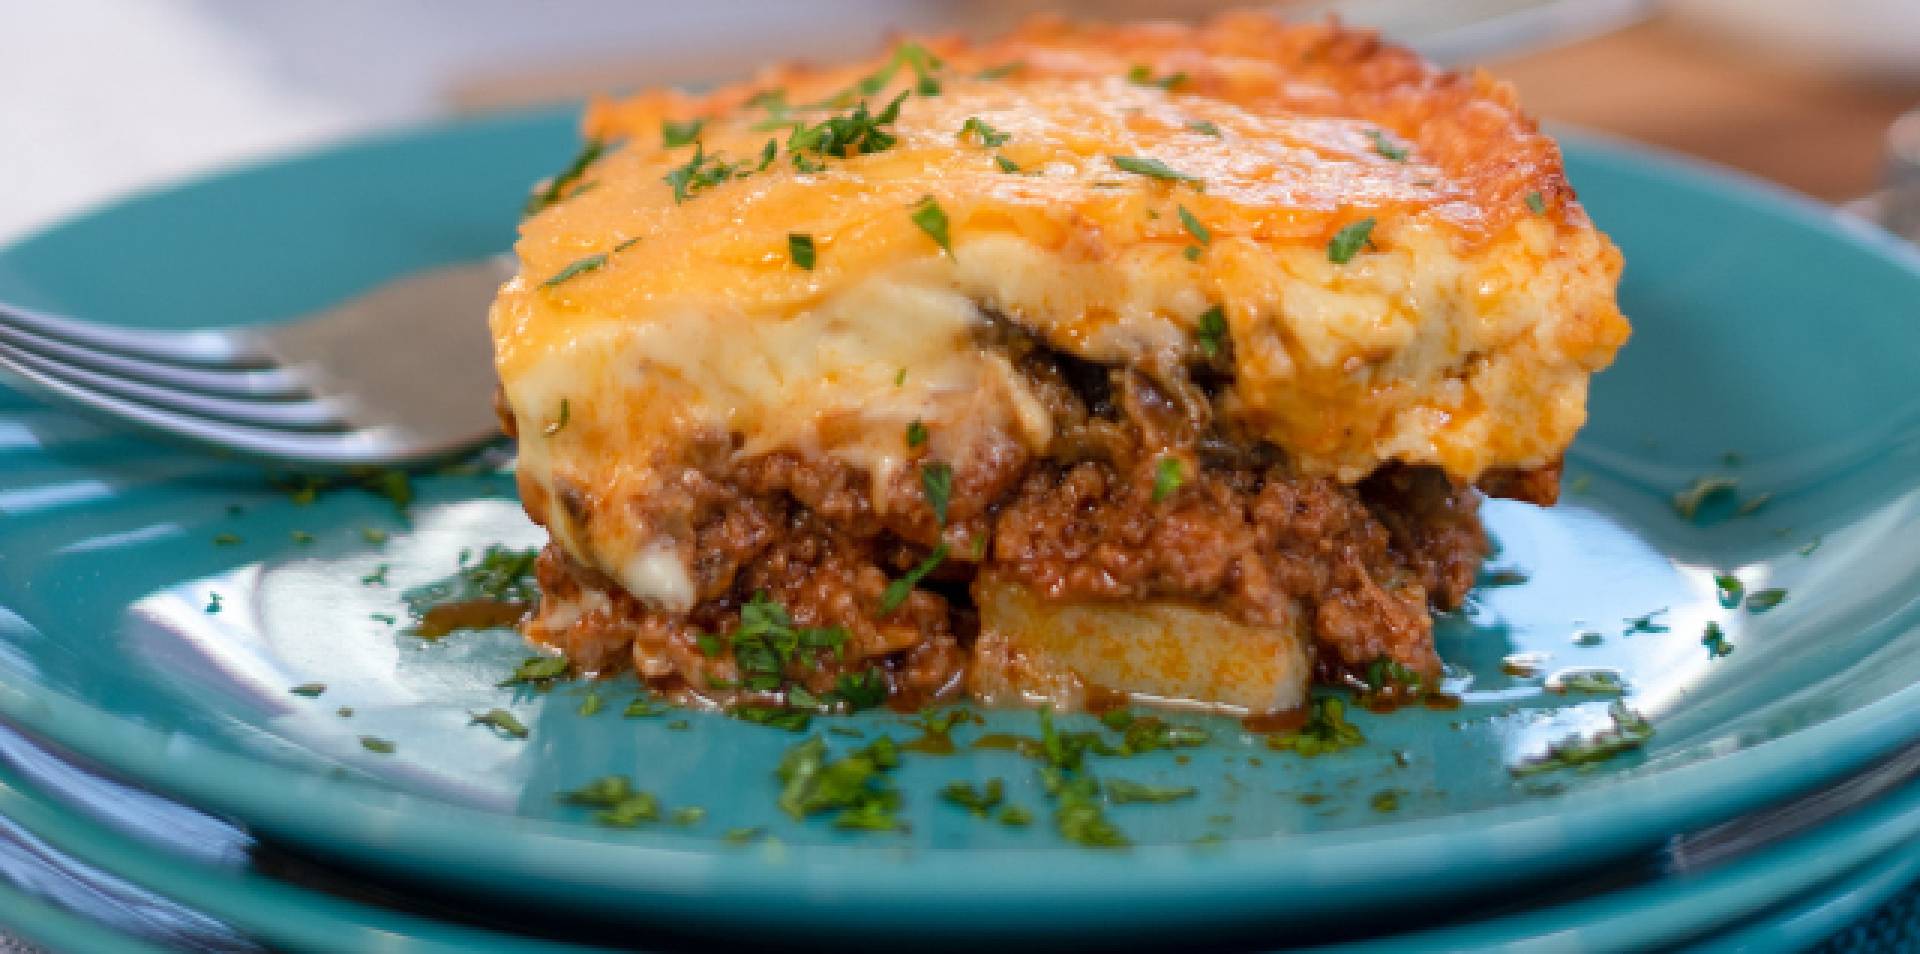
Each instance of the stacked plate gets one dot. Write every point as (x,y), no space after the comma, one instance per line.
(164,784)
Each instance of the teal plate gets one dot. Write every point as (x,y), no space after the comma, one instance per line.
(1774,343)
(161,873)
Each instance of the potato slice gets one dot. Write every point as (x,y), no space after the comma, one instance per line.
(1032,650)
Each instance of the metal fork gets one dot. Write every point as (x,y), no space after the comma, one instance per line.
(400,375)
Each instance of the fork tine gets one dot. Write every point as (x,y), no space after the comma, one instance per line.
(261,383)
(295,415)
(203,348)
(303,448)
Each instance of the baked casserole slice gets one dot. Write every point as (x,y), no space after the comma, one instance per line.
(1151,362)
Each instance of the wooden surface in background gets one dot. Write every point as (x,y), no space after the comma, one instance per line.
(1666,84)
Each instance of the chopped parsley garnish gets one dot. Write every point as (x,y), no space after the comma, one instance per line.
(897,591)
(1006,165)
(1151,733)
(862,690)
(1122,791)
(1151,168)
(1326,730)
(621,805)
(1206,128)
(502,721)
(1140,75)
(857,133)
(641,707)
(578,267)
(502,576)
(1629,731)
(311,690)
(1730,590)
(977,801)
(1536,204)
(1385,800)
(591,704)
(1213,332)
(1646,624)
(688,815)
(301,537)
(1715,639)
(936,480)
(800,249)
(376,744)
(630,812)
(765,642)
(552,192)
(1002,71)
(1754,504)
(1347,242)
(792,720)
(986,135)
(603,792)
(932,219)
(538,671)
(1763,600)
(344,712)
(916,434)
(1688,501)
(226,539)
(213,602)
(1167,478)
(912,55)
(1503,577)
(1386,147)
(1193,226)
(680,132)
(559,424)
(853,787)
(1388,675)
(373,535)
(1013,816)
(705,171)
(1601,682)
(1192,252)
(741,836)
(1077,813)
(1811,545)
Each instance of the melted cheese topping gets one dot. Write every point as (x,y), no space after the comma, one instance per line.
(1460,336)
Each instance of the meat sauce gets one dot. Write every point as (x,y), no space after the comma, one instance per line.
(1092,517)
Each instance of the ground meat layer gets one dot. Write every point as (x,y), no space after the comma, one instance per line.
(1140,497)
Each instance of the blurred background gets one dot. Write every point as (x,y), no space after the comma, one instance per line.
(102,97)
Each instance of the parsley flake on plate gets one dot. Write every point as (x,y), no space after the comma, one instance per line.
(501,721)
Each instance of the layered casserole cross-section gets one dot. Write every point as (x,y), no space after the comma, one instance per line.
(1151,362)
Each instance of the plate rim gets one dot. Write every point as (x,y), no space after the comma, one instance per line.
(418,833)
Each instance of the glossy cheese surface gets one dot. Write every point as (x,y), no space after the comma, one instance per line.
(1460,334)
